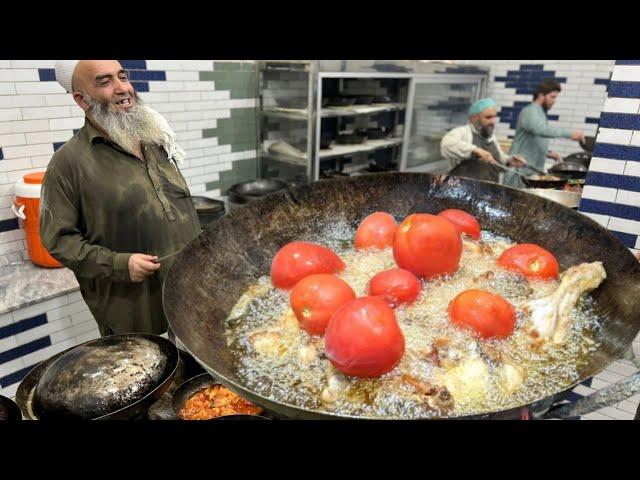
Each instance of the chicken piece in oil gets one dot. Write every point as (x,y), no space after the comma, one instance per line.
(551,315)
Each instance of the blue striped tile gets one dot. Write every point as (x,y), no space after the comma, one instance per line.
(561,79)
(500,79)
(532,66)
(611,180)
(619,210)
(587,382)
(15,377)
(1,154)
(147,75)
(553,117)
(601,81)
(25,349)
(47,74)
(624,89)
(617,152)
(627,62)
(628,239)
(57,145)
(573,396)
(140,86)
(592,120)
(134,64)
(10,224)
(625,121)
(23,325)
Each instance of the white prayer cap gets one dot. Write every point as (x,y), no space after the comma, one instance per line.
(64,73)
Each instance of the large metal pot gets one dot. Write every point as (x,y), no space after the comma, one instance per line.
(212,272)
(571,170)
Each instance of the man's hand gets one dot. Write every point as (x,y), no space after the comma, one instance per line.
(142,266)
(555,155)
(484,155)
(516,161)
(578,136)
(638,254)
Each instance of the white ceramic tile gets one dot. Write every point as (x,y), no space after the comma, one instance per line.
(66,124)
(596,416)
(621,105)
(164,65)
(74,297)
(7,368)
(81,317)
(14,101)
(627,197)
(603,194)
(190,76)
(624,225)
(12,139)
(45,112)
(626,73)
(166,86)
(632,168)
(8,343)
(49,137)
(23,126)
(11,165)
(67,310)
(58,100)
(607,165)
(15,75)
(635,138)
(10,114)
(615,136)
(28,150)
(31,88)
(33,63)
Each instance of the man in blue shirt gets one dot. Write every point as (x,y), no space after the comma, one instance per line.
(533,131)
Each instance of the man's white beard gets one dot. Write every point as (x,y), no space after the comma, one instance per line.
(127,128)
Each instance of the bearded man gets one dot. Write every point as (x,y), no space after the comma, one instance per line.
(473,150)
(114,201)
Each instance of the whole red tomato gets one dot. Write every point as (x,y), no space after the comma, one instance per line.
(315,298)
(530,260)
(395,286)
(427,245)
(463,221)
(297,260)
(488,315)
(376,231)
(363,338)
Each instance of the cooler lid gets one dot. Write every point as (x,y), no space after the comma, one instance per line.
(35,177)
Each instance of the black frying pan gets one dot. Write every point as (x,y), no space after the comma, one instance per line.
(58,387)
(570,169)
(249,191)
(9,410)
(535,181)
(210,274)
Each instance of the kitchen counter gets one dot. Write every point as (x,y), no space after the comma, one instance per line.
(23,284)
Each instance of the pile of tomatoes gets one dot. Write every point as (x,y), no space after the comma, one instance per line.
(361,335)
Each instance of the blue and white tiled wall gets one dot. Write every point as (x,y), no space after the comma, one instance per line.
(37,116)
(584,85)
(611,195)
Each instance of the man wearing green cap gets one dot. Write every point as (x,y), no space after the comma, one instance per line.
(473,150)
(533,132)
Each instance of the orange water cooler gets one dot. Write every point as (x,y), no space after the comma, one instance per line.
(27,207)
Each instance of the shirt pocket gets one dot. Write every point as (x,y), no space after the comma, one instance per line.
(174,181)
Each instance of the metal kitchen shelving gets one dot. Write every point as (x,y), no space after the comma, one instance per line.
(430,98)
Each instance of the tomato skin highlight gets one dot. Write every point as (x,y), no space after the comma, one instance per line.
(486,314)
(315,299)
(376,231)
(427,246)
(463,221)
(530,260)
(395,286)
(363,338)
(297,260)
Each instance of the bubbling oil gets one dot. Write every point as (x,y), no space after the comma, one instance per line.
(279,360)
